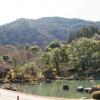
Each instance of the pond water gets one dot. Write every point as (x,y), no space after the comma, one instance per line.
(55,89)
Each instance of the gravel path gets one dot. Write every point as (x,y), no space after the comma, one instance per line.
(12,95)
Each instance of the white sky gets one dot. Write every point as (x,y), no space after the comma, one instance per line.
(83,9)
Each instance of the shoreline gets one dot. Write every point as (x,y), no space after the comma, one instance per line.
(23,96)
(54,98)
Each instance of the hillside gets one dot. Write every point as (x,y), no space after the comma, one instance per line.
(41,31)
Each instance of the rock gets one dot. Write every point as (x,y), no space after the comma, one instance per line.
(9,88)
(80,89)
(33,83)
(65,87)
(96,88)
(96,95)
(84,98)
(88,90)
(71,77)
(48,81)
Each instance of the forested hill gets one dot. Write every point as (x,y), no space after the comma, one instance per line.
(44,30)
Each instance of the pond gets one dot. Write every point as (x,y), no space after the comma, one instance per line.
(55,89)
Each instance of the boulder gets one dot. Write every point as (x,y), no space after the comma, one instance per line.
(65,87)
(84,98)
(80,89)
(9,88)
(96,88)
(88,90)
(48,81)
(96,95)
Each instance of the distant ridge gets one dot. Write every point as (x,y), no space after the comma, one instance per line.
(41,31)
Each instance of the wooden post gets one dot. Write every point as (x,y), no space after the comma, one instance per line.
(17,97)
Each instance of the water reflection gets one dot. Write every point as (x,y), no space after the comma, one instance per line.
(55,88)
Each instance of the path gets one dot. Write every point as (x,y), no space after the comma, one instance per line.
(12,95)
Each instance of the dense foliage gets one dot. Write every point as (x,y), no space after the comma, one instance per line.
(81,54)
(29,63)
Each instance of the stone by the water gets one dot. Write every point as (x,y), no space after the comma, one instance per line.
(65,87)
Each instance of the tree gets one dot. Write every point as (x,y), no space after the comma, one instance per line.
(87,31)
(54,44)
(56,60)
(82,52)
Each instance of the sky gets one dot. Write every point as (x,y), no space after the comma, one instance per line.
(33,9)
